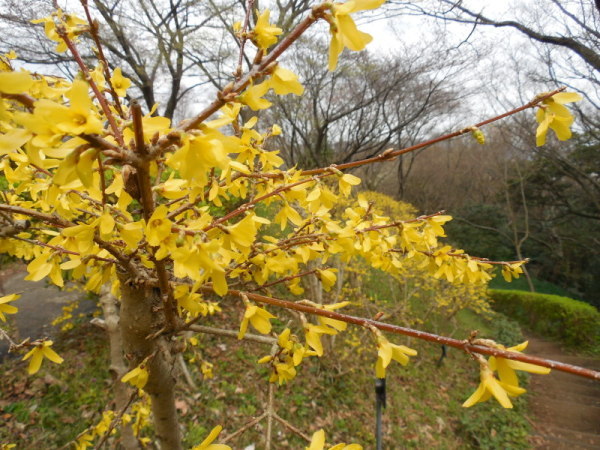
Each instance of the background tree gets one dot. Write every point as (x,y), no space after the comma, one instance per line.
(369,103)
(563,50)
(168,49)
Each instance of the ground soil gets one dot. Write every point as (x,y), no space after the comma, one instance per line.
(565,408)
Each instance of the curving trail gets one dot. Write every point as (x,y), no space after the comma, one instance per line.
(39,304)
(565,408)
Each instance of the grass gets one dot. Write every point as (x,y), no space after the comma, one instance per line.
(336,393)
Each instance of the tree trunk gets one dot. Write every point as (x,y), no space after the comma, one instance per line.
(141,316)
(117,365)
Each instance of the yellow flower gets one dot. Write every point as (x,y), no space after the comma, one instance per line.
(328,278)
(119,82)
(554,115)
(38,353)
(76,119)
(207,444)
(15,82)
(284,371)
(159,227)
(344,32)
(5,308)
(137,377)
(285,82)
(346,182)
(258,317)
(73,26)
(506,367)
(491,386)
(313,336)
(318,443)
(333,323)
(253,96)
(510,271)
(388,351)
(265,34)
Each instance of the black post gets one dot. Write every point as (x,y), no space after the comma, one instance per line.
(379,405)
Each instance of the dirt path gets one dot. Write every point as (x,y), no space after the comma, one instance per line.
(38,305)
(566,408)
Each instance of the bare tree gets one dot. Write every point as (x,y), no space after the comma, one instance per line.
(168,48)
(361,109)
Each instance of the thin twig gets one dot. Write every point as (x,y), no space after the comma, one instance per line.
(116,420)
(291,427)
(231,334)
(270,415)
(244,428)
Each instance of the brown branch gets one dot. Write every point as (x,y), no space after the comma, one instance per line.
(243,39)
(94,31)
(385,156)
(99,96)
(400,222)
(464,256)
(391,154)
(430,337)
(317,12)
(147,201)
(290,427)
(64,250)
(24,99)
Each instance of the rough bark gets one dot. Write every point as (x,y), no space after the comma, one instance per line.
(141,316)
(117,365)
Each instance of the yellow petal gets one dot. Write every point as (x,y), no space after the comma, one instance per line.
(475,397)
(318,440)
(52,355)
(566,97)
(15,82)
(497,391)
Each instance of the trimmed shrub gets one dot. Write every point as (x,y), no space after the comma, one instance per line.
(575,323)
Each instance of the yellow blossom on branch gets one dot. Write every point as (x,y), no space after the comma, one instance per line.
(258,317)
(253,96)
(313,336)
(159,227)
(506,367)
(137,377)
(71,25)
(318,443)
(15,82)
(78,118)
(552,114)
(490,386)
(285,81)
(37,355)
(119,82)
(388,352)
(343,29)
(265,34)
(5,308)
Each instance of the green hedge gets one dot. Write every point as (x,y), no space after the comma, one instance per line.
(575,323)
